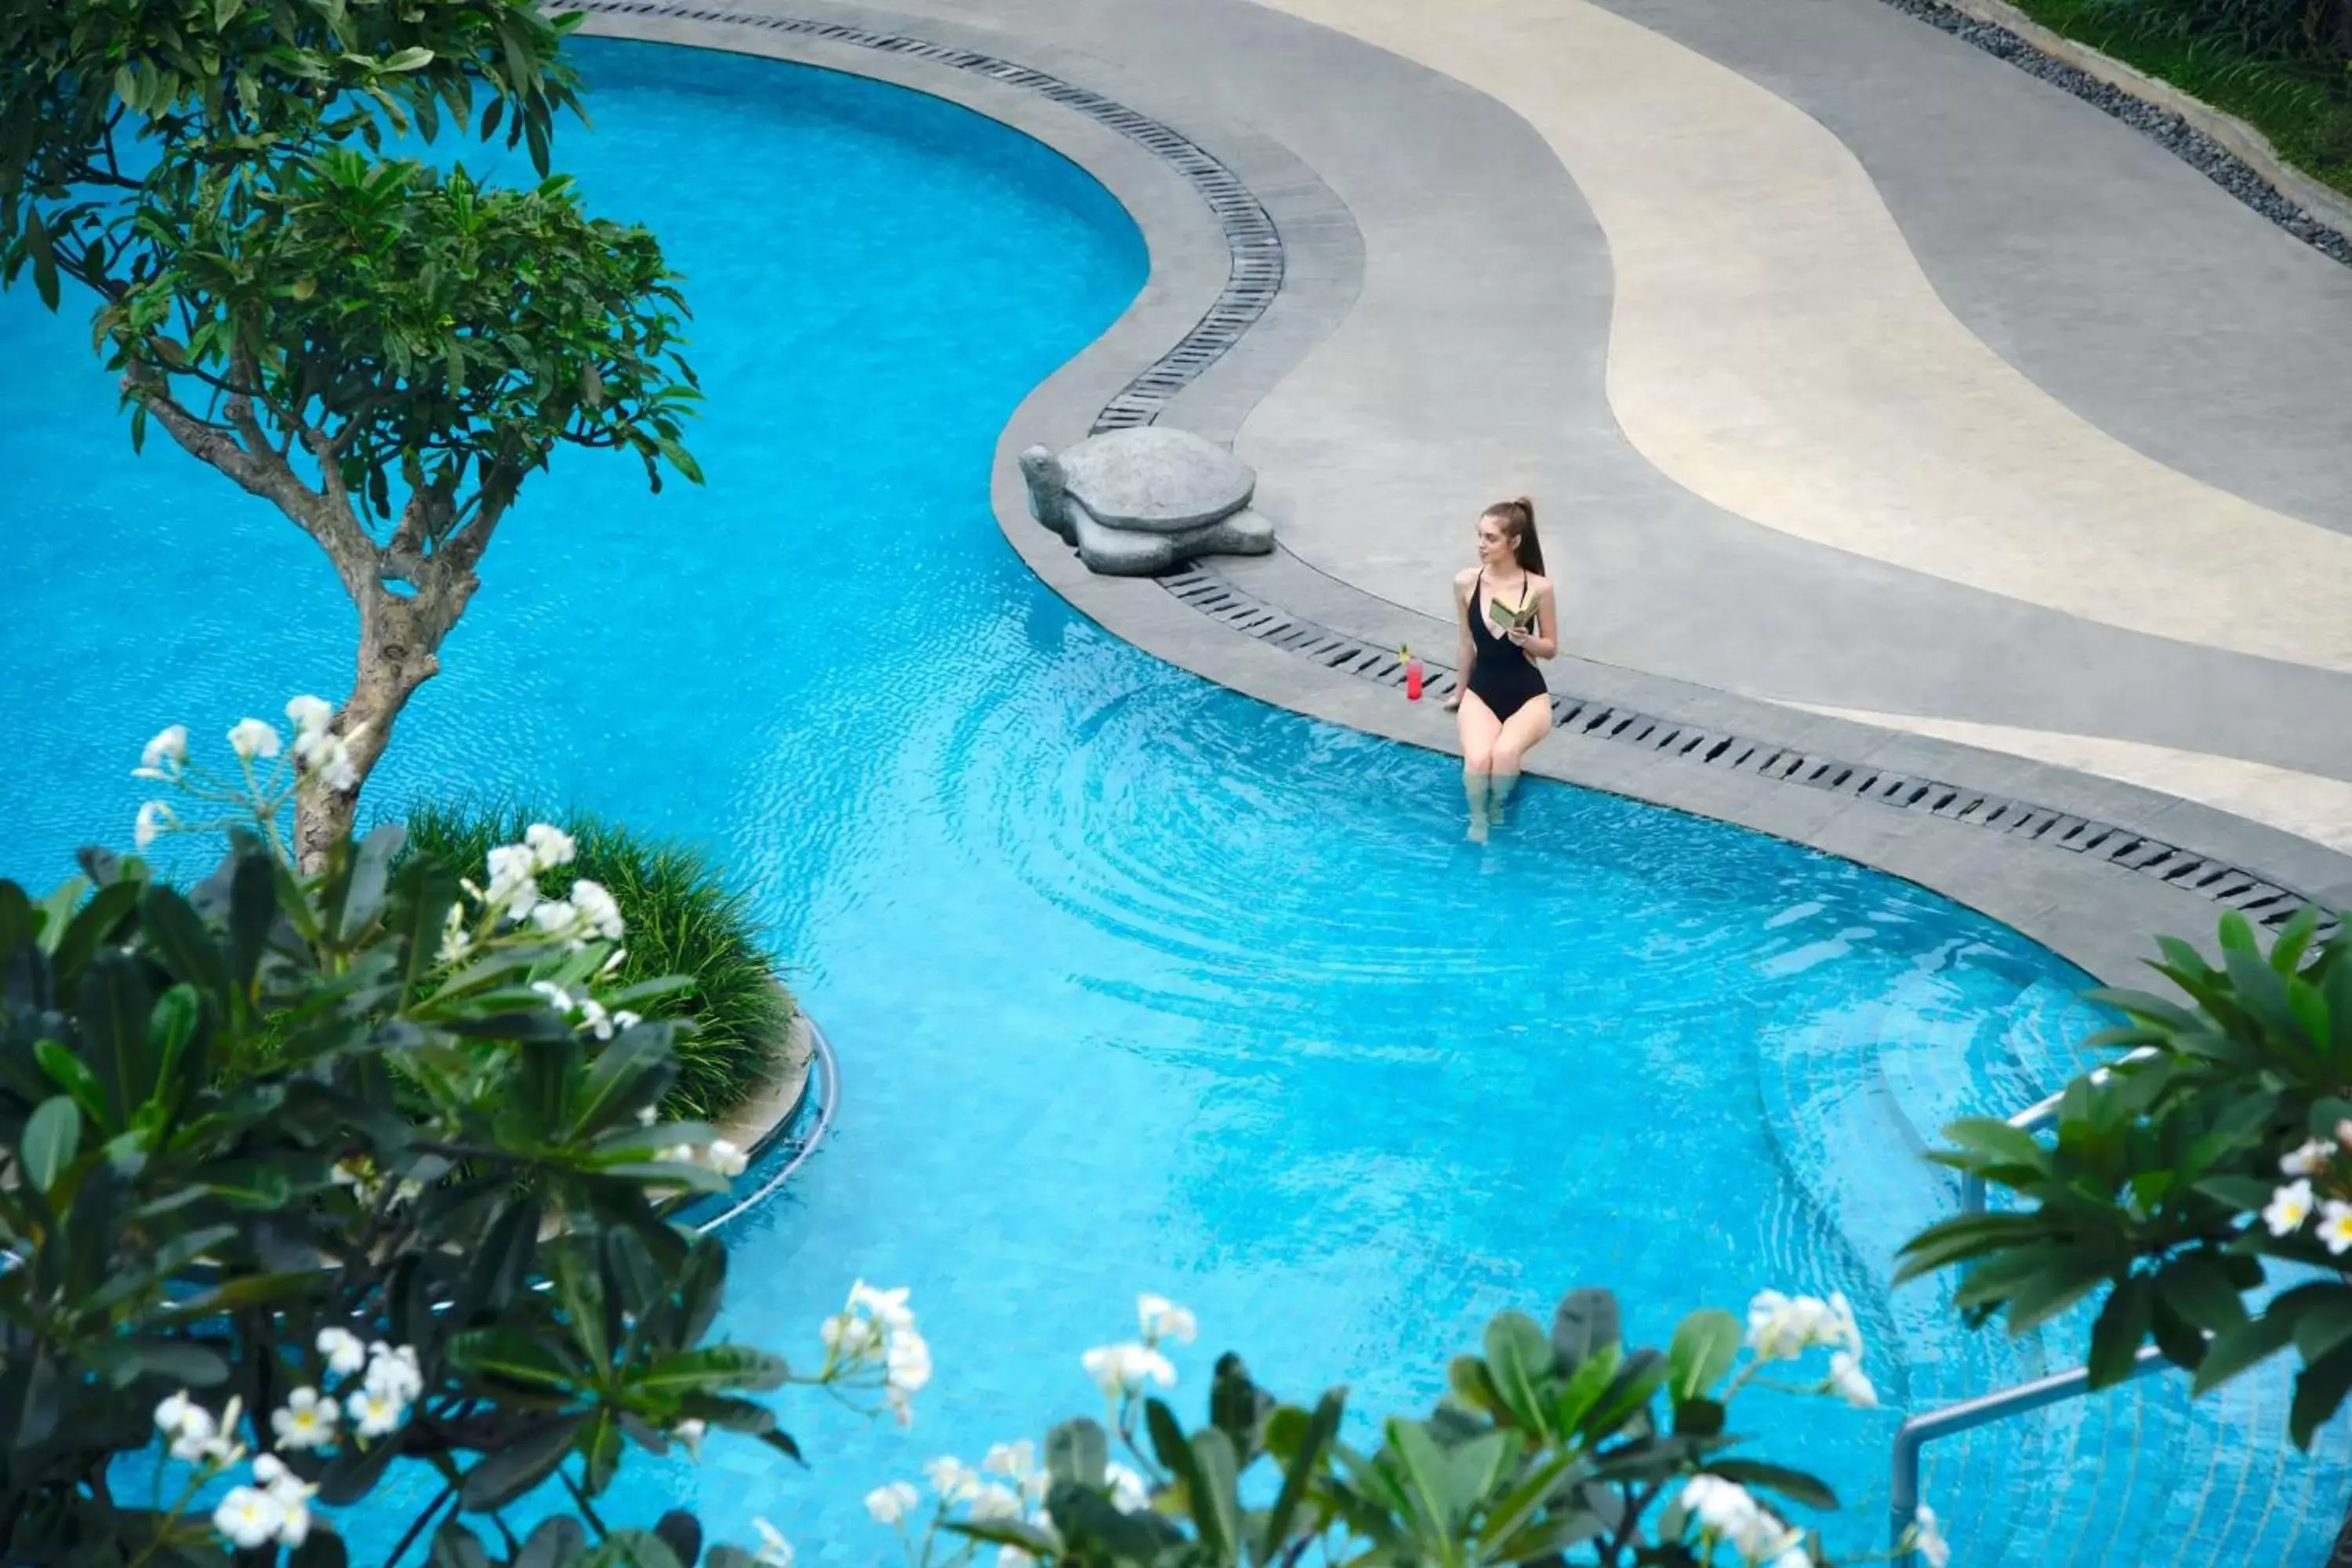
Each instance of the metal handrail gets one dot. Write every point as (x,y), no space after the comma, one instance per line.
(1903,1496)
(1915,1435)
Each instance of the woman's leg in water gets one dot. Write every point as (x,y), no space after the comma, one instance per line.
(1479,730)
(1517,736)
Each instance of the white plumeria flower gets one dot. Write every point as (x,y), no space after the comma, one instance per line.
(250,738)
(954,1481)
(1016,1459)
(2289,1207)
(188,1426)
(306,1422)
(887,1307)
(308,714)
(1127,1492)
(594,1019)
(775,1552)
(162,757)
(1928,1538)
(597,910)
(624,1019)
(335,766)
(996,1500)
(513,885)
(2336,1226)
(2308,1160)
(689,1433)
(1120,1370)
(1848,1382)
(1162,1319)
(292,1495)
(1782,1328)
(555,996)
(549,844)
(725,1158)
(1722,1507)
(375,1412)
(392,1370)
(891,1504)
(345,1351)
(249,1517)
(555,916)
(154,816)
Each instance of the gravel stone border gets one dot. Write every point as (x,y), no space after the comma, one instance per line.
(2168,129)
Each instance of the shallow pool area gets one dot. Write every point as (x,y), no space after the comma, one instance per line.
(1137,985)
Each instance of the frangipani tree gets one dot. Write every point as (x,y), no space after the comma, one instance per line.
(381,350)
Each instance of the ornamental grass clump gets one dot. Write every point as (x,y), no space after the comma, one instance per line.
(682,919)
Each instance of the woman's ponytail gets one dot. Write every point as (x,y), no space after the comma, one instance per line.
(1517,519)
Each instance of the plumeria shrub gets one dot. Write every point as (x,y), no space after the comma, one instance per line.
(2200,1190)
(1559,1447)
(429,1225)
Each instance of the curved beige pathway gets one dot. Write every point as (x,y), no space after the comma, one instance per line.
(1776,348)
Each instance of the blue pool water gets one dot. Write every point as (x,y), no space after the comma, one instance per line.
(1137,985)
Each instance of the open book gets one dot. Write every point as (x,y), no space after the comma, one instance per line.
(1506,620)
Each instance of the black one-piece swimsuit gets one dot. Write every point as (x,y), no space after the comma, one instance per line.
(1501,673)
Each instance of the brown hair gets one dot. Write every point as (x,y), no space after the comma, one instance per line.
(1517,519)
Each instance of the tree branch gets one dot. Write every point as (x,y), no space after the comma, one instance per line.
(262,472)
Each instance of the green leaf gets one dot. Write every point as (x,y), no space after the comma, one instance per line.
(52,1135)
(1585,1321)
(2319,1390)
(1209,1488)
(43,251)
(1704,1347)
(2123,1324)
(1304,1461)
(713,1368)
(1795,1485)
(2257,1340)
(1517,1355)
(177,936)
(1076,1451)
(2199,1288)
(497,1480)
(509,1355)
(252,907)
(65,1070)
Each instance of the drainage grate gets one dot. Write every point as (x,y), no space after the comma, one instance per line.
(2257,897)
(1254,272)
(1255,278)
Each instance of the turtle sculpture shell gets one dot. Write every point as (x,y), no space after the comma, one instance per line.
(1156,481)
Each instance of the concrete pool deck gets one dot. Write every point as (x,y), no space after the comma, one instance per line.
(1884,406)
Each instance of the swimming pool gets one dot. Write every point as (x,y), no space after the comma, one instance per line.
(1138,984)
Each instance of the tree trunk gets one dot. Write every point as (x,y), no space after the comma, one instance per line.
(399,650)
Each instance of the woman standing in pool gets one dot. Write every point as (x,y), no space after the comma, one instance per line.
(1504,608)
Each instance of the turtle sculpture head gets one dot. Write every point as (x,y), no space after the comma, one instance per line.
(1049,490)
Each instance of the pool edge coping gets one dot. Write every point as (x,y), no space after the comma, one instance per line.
(2098,916)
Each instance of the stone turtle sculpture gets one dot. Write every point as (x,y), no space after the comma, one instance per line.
(1139,501)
